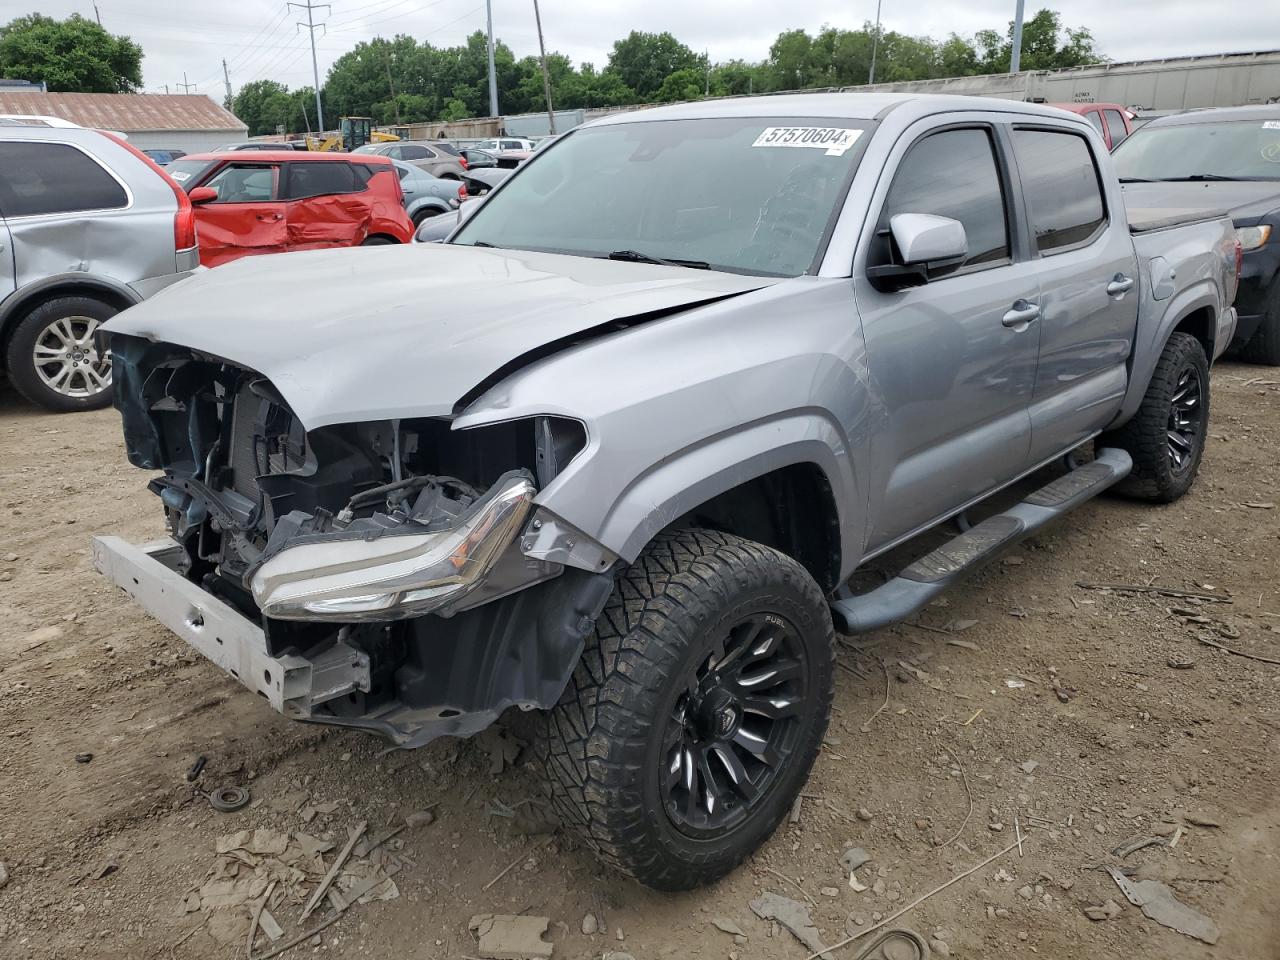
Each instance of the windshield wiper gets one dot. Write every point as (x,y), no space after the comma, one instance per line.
(1135,180)
(635,256)
(1199,176)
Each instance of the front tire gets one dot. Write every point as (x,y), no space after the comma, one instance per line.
(1166,436)
(696,711)
(53,360)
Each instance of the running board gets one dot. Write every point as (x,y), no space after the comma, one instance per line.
(933,573)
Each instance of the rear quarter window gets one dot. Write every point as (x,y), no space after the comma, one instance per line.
(323,178)
(47,178)
(1061,185)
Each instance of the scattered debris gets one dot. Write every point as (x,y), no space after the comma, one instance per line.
(4,874)
(1180,663)
(912,905)
(196,768)
(1136,844)
(1210,642)
(267,923)
(106,870)
(1202,820)
(795,811)
(228,799)
(1013,683)
(515,863)
(590,925)
(795,917)
(853,858)
(1159,904)
(1149,588)
(866,727)
(1267,505)
(964,644)
(1028,766)
(506,937)
(84,757)
(312,846)
(864,814)
(502,746)
(783,876)
(725,925)
(420,818)
(329,877)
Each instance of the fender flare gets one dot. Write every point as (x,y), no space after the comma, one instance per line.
(1148,345)
(677,484)
(14,306)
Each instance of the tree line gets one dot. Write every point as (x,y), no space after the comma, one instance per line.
(402,80)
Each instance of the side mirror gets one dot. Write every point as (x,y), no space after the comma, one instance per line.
(202,195)
(926,244)
(469,206)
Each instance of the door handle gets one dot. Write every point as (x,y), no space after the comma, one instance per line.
(1119,284)
(1023,312)
(269,217)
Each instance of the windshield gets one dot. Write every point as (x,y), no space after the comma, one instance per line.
(187,172)
(1232,150)
(746,195)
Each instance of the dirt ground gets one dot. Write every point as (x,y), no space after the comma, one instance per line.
(1054,707)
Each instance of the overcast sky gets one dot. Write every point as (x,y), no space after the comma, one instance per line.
(259,40)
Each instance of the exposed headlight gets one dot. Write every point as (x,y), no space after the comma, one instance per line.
(395,575)
(1251,238)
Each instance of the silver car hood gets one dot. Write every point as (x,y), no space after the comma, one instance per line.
(373,333)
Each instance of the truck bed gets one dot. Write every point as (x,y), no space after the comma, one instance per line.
(1149,219)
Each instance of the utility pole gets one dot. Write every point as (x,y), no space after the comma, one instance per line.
(493,76)
(546,77)
(706,55)
(1015,55)
(166,89)
(875,44)
(97,14)
(392,84)
(186,87)
(226,78)
(312,26)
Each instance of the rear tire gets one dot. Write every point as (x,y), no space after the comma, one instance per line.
(1264,345)
(378,241)
(1166,436)
(696,711)
(52,359)
(424,214)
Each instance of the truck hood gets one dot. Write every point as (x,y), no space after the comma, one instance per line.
(1241,199)
(350,335)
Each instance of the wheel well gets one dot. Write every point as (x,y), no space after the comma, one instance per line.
(26,303)
(1202,325)
(382,236)
(791,509)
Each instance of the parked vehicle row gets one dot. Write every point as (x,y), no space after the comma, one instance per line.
(728,352)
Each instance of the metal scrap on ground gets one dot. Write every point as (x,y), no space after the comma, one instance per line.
(794,916)
(504,937)
(1159,904)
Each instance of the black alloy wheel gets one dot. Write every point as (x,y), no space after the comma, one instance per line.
(1185,420)
(734,726)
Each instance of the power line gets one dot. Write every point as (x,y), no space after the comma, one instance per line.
(311,26)
(186,87)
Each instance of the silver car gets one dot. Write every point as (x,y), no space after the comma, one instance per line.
(88,227)
(426,196)
(425,156)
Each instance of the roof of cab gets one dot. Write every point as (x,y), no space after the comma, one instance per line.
(289,156)
(843,106)
(1270,111)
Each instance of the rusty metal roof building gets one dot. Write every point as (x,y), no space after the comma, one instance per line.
(189,122)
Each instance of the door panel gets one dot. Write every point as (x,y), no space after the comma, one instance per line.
(955,376)
(329,205)
(247,218)
(1085,251)
(8,279)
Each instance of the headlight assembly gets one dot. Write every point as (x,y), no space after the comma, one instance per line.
(1251,238)
(394,575)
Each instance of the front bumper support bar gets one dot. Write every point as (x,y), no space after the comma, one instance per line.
(293,685)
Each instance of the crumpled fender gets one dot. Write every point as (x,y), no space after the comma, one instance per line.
(339,220)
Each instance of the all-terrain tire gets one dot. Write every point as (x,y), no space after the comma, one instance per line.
(1264,345)
(1156,475)
(603,744)
(53,324)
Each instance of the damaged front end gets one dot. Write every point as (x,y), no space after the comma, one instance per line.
(360,574)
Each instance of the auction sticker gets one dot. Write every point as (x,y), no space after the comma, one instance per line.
(1271,125)
(834,140)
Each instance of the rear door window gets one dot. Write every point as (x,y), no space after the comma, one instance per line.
(954,174)
(321,178)
(245,183)
(1115,127)
(415,152)
(45,178)
(1061,185)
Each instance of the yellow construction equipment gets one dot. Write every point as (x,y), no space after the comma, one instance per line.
(352,132)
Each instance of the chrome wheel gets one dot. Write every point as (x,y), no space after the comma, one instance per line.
(734,727)
(67,361)
(1186,419)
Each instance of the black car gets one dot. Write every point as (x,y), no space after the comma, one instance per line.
(1228,160)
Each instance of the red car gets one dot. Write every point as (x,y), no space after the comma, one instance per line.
(272,201)
(1113,121)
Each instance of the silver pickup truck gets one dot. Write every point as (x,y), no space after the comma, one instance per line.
(614,451)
